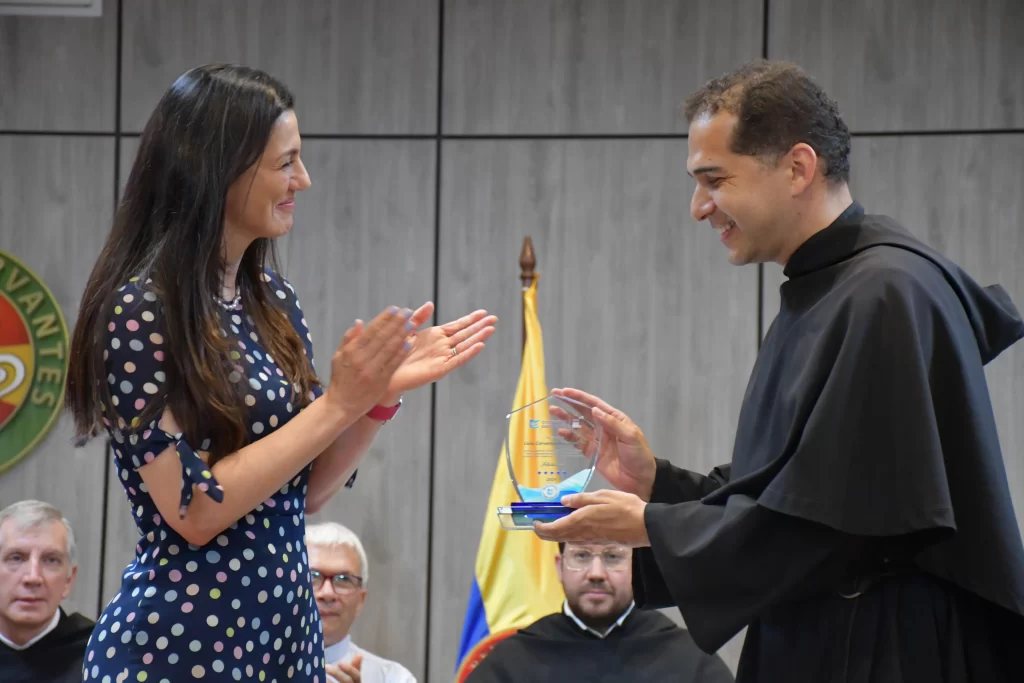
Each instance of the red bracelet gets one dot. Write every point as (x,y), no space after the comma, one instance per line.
(384,413)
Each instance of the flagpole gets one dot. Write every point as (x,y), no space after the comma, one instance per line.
(527,263)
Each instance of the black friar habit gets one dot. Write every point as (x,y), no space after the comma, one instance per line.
(646,648)
(55,658)
(863,531)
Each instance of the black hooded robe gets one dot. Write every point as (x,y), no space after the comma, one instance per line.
(864,531)
(646,648)
(55,658)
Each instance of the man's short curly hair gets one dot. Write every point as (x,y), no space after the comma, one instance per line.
(777,106)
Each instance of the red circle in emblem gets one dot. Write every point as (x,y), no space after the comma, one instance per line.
(16,358)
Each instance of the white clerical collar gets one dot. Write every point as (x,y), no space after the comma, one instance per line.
(618,622)
(42,634)
(339,650)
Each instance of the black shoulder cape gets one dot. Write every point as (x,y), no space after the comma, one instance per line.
(646,647)
(870,382)
(56,658)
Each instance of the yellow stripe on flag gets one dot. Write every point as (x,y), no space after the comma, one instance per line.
(515,570)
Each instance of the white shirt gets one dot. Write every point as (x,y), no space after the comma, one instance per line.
(42,634)
(618,622)
(374,669)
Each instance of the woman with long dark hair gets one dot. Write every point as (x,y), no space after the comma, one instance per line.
(192,353)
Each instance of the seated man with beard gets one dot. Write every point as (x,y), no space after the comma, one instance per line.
(599,636)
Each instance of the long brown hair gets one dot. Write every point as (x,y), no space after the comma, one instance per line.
(210,127)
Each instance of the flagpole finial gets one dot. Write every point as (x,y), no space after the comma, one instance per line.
(527,263)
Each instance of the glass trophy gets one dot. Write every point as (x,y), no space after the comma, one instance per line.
(551,451)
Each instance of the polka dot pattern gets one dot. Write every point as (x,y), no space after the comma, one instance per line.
(241,607)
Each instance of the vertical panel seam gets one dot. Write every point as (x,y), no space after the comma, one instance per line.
(760,266)
(438,139)
(117,184)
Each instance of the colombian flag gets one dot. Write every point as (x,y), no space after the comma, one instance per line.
(515,581)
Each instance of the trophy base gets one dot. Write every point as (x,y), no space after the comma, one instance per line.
(521,516)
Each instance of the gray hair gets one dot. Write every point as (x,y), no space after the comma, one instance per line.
(332,534)
(29,514)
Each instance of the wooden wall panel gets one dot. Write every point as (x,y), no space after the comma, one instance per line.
(637,305)
(773,279)
(55,211)
(587,66)
(909,65)
(58,74)
(355,66)
(960,194)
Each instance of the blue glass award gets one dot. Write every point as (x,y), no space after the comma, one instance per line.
(551,451)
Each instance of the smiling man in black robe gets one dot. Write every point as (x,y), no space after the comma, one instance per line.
(599,637)
(863,531)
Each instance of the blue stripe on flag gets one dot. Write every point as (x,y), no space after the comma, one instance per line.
(474,628)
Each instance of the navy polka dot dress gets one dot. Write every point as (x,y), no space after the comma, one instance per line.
(241,607)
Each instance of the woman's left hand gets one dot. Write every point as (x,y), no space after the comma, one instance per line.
(431,357)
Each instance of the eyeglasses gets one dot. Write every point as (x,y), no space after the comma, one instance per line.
(614,559)
(341,583)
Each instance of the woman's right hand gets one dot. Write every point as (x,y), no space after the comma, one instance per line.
(367,357)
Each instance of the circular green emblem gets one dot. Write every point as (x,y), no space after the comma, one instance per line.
(33,360)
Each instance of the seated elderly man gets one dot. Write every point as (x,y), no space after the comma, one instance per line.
(39,643)
(340,572)
(598,636)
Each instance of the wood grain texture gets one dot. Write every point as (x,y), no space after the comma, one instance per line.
(363,239)
(911,65)
(960,194)
(586,66)
(637,305)
(58,74)
(355,66)
(55,212)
